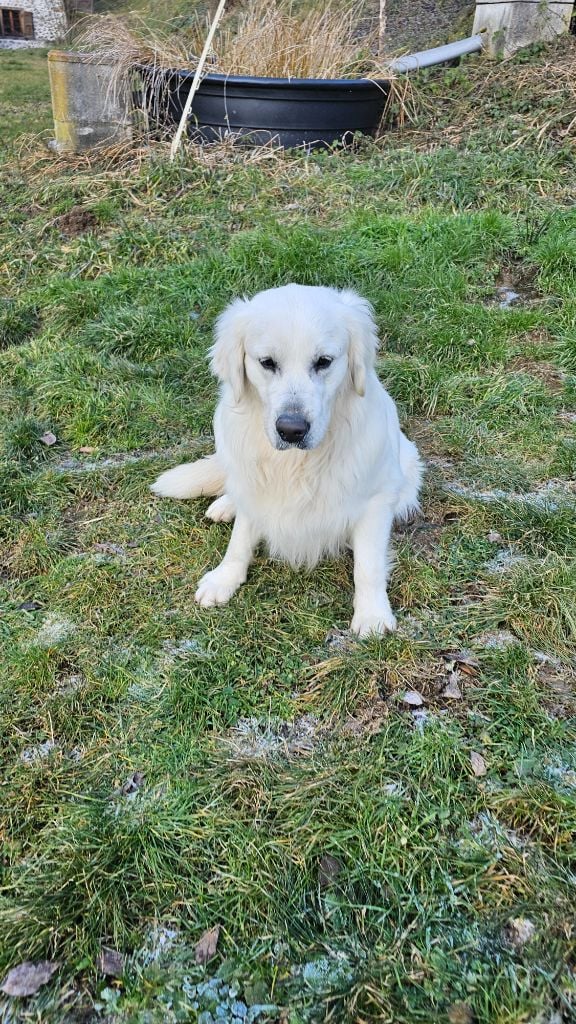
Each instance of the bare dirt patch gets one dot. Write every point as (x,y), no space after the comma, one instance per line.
(515,286)
(550,375)
(423,534)
(77,221)
(558,682)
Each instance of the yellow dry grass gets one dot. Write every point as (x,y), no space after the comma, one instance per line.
(271,40)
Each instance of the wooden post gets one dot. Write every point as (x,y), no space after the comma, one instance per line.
(509,26)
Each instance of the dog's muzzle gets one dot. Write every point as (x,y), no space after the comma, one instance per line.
(292,428)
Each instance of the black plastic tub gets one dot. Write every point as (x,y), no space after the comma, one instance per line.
(310,112)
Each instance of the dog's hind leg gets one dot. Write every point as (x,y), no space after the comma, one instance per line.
(412,470)
(222,510)
(191,479)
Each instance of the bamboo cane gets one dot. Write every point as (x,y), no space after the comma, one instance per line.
(196,80)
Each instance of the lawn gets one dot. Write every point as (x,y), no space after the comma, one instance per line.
(382,830)
(24,94)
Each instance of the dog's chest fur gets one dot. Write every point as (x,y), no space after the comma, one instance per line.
(302,511)
(302,503)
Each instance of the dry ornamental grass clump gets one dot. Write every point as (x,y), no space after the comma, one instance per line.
(276,41)
(269,40)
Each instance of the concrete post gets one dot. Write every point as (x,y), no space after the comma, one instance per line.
(509,26)
(88,111)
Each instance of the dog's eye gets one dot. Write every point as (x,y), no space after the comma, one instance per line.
(322,363)
(269,364)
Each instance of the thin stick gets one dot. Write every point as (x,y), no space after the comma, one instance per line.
(382,29)
(196,80)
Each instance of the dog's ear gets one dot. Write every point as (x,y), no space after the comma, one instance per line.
(359,317)
(227,352)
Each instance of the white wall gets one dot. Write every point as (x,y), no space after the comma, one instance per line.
(50,22)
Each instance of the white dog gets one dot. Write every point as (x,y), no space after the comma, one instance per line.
(309,454)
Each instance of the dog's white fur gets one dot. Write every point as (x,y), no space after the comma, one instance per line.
(351,476)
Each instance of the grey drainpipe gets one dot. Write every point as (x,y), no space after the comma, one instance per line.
(438,55)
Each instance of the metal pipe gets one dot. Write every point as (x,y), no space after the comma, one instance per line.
(437,55)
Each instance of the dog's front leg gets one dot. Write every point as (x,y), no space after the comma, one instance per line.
(370,543)
(217,587)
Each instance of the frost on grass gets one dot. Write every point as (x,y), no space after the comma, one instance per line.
(111,549)
(69,684)
(159,942)
(561,775)
(507,297)
(496,641)
(175,649)
(74,465)
(486,831)
(551,495)
(148,670)
(327,974)
(41,751)
(31,755)
(54,630)
(503,561)
(252,739)
(216,1001)
(421,718)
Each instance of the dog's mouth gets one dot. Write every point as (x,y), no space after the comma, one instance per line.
(284,446)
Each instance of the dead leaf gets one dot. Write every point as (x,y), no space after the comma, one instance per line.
(48,438)
(87,449)
(329,868)
(111,962)
(132,784)
(452,688)
(478,764)
(108,548)
(29,606)
(206,945)
(27,978)
(413,698)
(465,661)
(518,931)
(340,639)
(460,1013)
(367,721)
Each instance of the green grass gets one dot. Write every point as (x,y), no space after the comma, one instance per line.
(24,93)
(108,667)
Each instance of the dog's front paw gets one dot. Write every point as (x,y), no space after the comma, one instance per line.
(222,510)
(217,587)
(373,621)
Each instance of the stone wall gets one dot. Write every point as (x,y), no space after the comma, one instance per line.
(50,22)
(417,24)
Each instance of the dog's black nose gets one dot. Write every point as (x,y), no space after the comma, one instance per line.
(292,427)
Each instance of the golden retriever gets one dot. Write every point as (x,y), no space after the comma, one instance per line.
(309,454)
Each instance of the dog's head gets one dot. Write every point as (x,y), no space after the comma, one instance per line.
(297,348)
